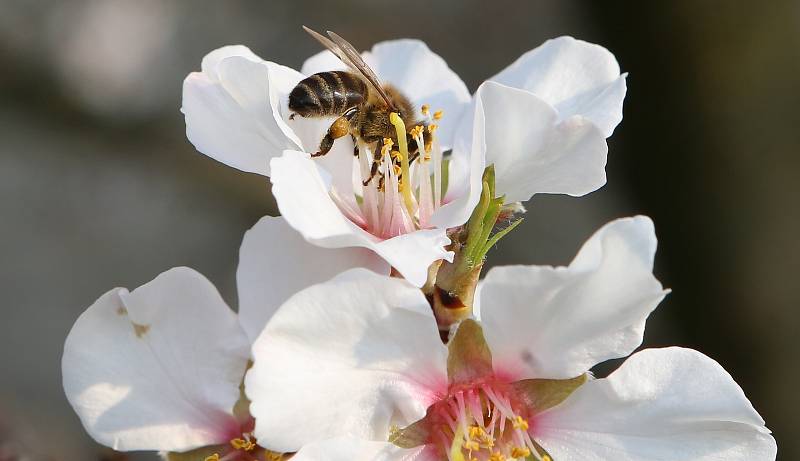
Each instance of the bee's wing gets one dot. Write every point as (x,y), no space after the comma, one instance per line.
(348,55)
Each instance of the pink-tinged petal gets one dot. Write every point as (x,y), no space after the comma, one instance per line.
(353,449)
(573,76)
(235,109)
(157,368)
(347,357)
(302,189)
(275,262)
(672,403)
(558,322)
(535,152)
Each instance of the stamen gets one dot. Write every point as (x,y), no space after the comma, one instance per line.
(485,427)
(426,109)
(520,452)
(438,114)
(214,457)
(242,444)
(520,423)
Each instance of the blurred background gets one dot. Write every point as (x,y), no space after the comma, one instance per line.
(99,187)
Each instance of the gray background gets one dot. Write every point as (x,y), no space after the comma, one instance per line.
(99,188)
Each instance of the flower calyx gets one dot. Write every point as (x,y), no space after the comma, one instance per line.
(452,294)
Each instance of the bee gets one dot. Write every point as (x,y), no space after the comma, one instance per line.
(361,103)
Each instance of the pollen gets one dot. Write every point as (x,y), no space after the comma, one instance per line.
(520,423)
(438,114)
(546,458)
(497,457)
(432,128)
(242,444)
(426,109)
(214,457)
(417,131)
(471,445)
(520,452)
(387,147)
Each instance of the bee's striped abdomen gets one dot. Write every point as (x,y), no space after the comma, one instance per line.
(327,93)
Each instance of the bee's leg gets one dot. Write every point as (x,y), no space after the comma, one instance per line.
(355,146)
(381,180)
(339,128)
(376,161)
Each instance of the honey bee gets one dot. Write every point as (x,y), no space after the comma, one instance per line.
(361,103)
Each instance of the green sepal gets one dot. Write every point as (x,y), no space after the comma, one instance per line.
(539,395)
(468,357)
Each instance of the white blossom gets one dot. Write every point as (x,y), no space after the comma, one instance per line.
(542,122)
(349,365)
(160,367)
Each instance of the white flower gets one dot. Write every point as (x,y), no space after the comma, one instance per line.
(346,365)
(542,122)
(160,367)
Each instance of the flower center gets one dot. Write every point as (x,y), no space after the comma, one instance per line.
(482,424)
(406,189)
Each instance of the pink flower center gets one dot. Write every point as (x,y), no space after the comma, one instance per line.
(398,199)
(482,423)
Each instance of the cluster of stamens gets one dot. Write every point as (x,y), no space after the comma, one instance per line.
(480,424)
(407,189)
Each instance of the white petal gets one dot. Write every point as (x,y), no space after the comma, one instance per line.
(158,368)
(275,262)
(575,77)
(424,77)
(661,404)
(354,449)
(546,322)
(465,172)
(532,151)
(233,109)
(301,189)
(347,357)
(322,62)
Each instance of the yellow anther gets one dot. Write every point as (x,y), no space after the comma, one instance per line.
(432,128)
(520,423)
(417,131)
(426,109)
(387,146)
(438,114)
(396,155)
(427,157)
(476,432)
(214,457)
(242,444)
(520,452)
(397,170)
(496,456)
(471,445)
(271,456)
(546,458)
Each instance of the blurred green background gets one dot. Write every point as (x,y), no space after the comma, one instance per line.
(99,187)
